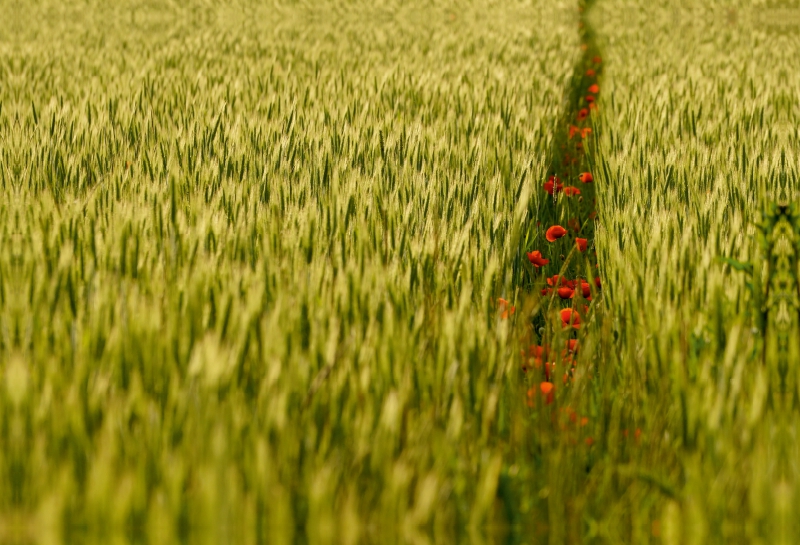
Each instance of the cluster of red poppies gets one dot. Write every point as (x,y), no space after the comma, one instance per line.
(540,357)
(566,289)
(544,359)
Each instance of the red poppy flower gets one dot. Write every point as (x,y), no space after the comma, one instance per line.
(586,289)
(503,305)
(597,60)
(593,106)
(586,177)
(573,130)
(566,292)
(592,214)
(579,146)
(557,280)
(586,132)
(589,98)
(546,291)
(554,280)
(590,73)
(570,318)
(554,233)
(572,345)
(583,114)
(569,191)
(581,244)
(536,259)
(574,224)
(597,282)
(548,390)
(537,352)
(553,185)
(594,89)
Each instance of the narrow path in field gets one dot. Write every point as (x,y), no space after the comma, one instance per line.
(560,323)
(561,262)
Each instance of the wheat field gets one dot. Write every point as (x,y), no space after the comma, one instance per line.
(268,272)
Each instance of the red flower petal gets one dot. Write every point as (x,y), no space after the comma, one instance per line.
(553,185)
(566,292)
(570,318)
(554,233)
(586,177)
(581,244)
(594,89)
(548,390)
(536,259)
(503,305)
